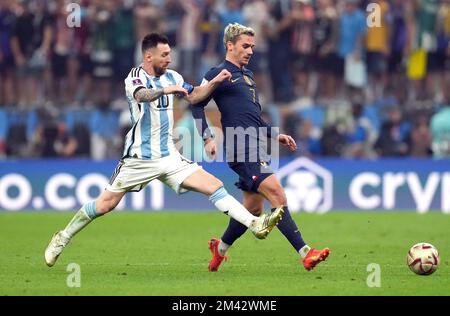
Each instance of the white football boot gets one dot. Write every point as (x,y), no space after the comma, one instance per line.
(55,247)
(266,223)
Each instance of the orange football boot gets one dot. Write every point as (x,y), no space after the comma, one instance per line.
(314,257)
(216,257)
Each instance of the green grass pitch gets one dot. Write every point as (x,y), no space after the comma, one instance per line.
(165,253)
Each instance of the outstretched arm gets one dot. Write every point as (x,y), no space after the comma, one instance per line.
(200,93)
(149,95)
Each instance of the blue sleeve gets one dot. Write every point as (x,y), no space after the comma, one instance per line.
(188,87)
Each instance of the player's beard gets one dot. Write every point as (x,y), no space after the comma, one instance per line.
(159,71)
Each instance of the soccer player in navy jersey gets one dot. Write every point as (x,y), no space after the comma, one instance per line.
(237,100)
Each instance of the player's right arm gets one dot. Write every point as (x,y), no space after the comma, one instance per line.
(135,87)
(149,95)
(200,93)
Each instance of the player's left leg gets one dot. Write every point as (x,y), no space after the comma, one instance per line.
(105,203)
(130,174)
(254,203)
(251,175)
(272,190)
(204,182)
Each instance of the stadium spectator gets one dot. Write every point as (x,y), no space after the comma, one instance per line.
(256,15)
(333,140)
(209,28)
(279,39)
(398,45)
(325,35)
(231,13)
(77,144)
(351,42)
(40,60)
(426,40)
(301,130)
(104,130)
(7,86)
(395,138)
(82,43)
(102,54)
(421,137)
(50,137)
(308,139)
(443,48)
(174,12)
(377,50)
(123,42)
(147,17)
(303,19)
(189,41)
(440,131)
(23,48)
(64,61)
(360,135)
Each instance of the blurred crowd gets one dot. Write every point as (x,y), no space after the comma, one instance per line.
(349,78)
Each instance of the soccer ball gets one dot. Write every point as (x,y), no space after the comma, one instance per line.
(423,258)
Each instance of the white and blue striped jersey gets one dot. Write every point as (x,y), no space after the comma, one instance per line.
(151,136)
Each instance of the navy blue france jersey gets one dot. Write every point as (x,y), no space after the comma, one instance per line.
(238,103)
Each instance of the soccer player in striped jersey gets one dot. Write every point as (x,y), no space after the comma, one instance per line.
(150,152)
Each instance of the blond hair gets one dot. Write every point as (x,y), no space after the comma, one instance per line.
(233,31)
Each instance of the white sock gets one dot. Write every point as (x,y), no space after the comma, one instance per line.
(231,207)
(223,247)
(304,251)
(78,222)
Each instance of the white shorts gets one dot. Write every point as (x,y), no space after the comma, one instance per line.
(132,174)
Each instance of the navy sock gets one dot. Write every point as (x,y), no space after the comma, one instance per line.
(233,232)
(290,230)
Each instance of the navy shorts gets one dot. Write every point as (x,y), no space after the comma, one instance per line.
(251,174)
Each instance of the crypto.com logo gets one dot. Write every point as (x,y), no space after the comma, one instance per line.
(308,186)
